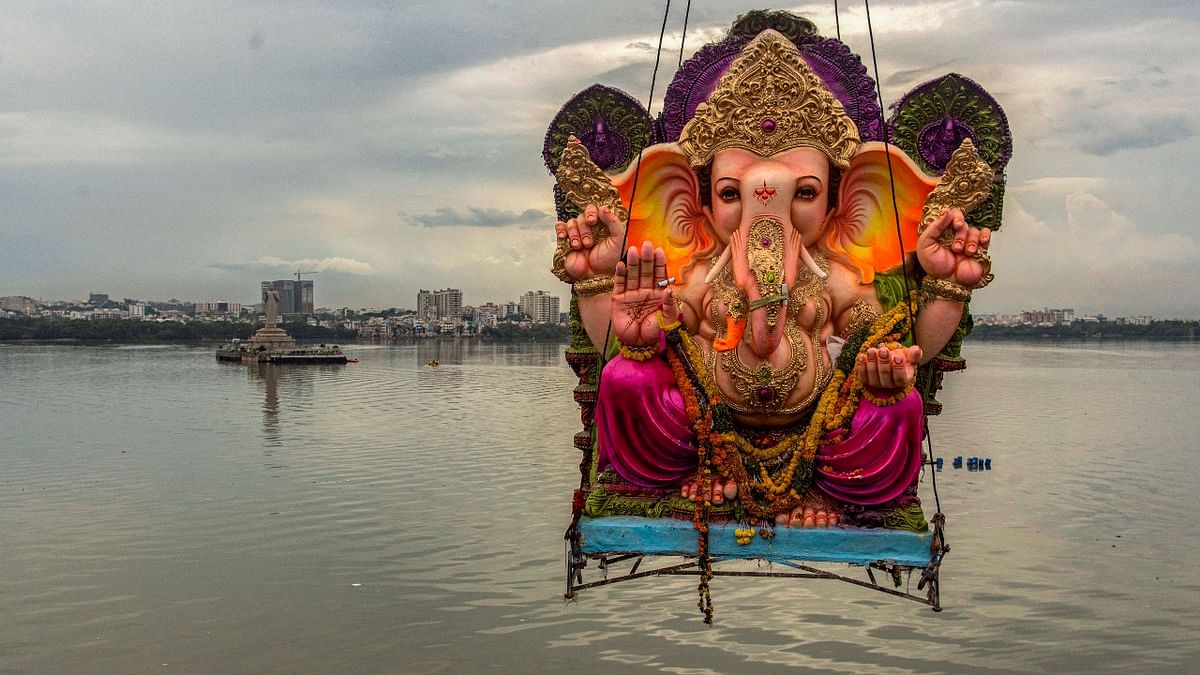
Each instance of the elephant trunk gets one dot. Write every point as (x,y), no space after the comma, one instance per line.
(772,246)
(766,240)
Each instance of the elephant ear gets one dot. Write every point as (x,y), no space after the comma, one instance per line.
(863,228)
(666,207)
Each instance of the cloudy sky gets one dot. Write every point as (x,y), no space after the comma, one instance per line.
(191,149)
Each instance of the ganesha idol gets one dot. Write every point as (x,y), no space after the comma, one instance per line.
(774,295)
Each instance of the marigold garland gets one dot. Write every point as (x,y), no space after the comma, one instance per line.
(765,491)
(722,450)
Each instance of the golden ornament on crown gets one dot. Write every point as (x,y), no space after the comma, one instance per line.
(770,101)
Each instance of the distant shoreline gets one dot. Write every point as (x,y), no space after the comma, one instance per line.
(1157,331)
(207,342)
(43,331)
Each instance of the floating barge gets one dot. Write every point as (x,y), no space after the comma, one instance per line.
(237,352)
(271,344)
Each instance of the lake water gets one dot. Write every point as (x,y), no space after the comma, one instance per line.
(163,512)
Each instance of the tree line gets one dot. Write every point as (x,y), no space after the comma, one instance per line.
(537,332)
(1080,330)
(126,330)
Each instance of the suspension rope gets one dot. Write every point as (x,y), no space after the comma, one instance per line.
(683,37)
(837,21)
(899,235)
(637,171)
(603,349)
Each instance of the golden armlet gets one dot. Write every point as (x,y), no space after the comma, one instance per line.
(594,286)
(945,289)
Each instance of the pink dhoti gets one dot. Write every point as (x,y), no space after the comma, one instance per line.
(642,427)
(879,459)
(644,434)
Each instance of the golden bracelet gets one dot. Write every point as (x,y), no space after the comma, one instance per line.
(945,289)
(891,400)
(594,286)
(558,265)
(668,327)
(984,259)
(638,353)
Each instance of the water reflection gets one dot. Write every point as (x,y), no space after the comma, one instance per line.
(300,390)
(424,509)
(268,375)
(442,352)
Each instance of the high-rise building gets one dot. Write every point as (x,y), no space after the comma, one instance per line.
(443,304)
(426,311)
(295,297)
(17,303)
(1048,317)
(304,299)
(97,298)
(205,308)
(540,306)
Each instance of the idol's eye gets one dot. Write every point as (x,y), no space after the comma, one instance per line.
(728,194)
(806,192)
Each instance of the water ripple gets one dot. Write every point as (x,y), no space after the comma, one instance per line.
(378,517)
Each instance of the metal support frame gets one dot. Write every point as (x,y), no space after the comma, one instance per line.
(577,561)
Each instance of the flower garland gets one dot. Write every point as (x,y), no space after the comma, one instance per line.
(764,491)
(721,449)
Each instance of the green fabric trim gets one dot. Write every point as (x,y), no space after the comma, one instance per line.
(768,300)
(579,338)
(614,348)
(889,288)
(908,518)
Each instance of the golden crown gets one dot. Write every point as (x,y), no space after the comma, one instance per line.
(767,102)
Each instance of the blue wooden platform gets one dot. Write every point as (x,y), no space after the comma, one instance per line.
(670,536)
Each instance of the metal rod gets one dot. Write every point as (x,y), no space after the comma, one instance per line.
(671,569)
(806,572)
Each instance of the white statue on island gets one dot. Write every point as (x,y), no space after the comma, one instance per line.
(271,306)
(271,337)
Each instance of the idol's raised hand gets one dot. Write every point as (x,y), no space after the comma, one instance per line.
(589,245)
(637,296)
(951,250)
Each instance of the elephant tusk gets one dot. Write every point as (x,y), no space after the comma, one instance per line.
(810,263)
(726,256)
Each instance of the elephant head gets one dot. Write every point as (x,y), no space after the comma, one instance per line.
(772,141)
(768,210)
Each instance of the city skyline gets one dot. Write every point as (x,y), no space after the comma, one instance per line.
(182,152)
(96,298)
(550,305)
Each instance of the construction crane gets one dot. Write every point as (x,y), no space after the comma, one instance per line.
(304,302)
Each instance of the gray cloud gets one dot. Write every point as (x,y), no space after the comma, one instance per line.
(137,146)
(447,216)
(273,264)
(1143,132)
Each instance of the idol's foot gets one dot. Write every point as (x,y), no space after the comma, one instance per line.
(722,490)
(808,516)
